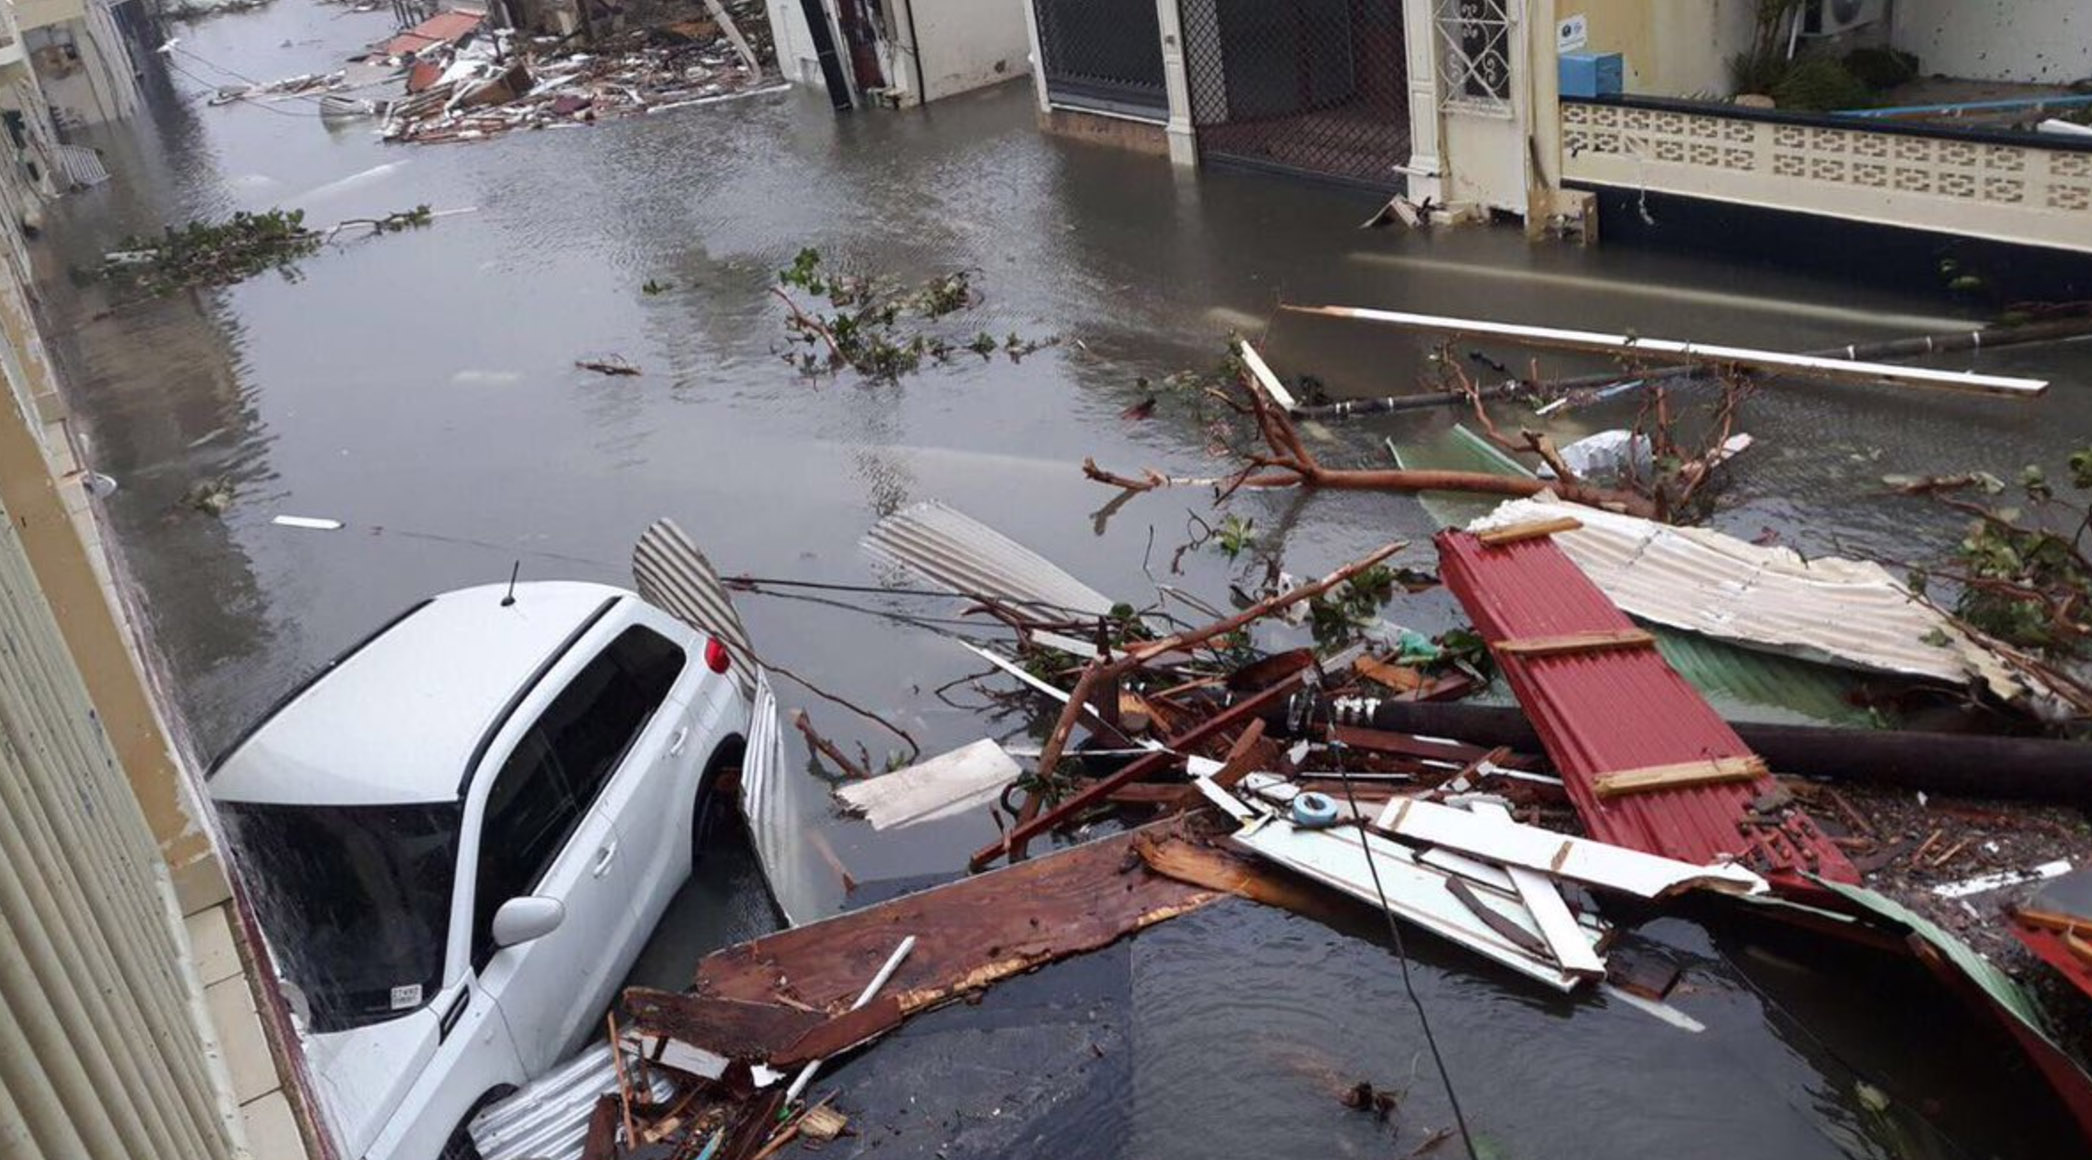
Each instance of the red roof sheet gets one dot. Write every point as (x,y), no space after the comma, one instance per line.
(1618,709)
(442,28)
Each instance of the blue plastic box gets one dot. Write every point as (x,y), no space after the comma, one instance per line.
(1592,74)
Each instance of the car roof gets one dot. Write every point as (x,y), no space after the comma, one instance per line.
(400,719)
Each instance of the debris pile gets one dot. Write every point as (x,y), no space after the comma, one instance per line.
(471,86)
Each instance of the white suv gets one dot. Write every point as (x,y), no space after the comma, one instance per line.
(460,834)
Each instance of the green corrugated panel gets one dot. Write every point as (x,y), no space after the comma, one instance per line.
(1742,684)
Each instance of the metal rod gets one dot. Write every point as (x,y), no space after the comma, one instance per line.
(1819,366)
(893,963)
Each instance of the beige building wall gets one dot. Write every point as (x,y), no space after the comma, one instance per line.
(1670,48)
(129,1017)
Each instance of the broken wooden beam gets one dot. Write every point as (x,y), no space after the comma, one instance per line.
(1605,640)
(1139,769)
(1715,771)
(970,933)
(1519,533)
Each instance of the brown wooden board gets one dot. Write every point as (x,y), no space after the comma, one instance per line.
(969,934)
(840,1034)
(734,1028)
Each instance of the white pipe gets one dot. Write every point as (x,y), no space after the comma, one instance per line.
(893,963)
(1831,368)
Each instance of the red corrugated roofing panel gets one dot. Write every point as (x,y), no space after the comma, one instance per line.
(1603,711)
(442,28)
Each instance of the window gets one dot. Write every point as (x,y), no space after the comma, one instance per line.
(1474,38)
(559,767)
(529,816)
(356,900)
(595,719)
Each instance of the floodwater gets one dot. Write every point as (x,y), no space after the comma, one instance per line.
(421,388)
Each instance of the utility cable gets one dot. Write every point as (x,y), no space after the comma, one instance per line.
(1394,930)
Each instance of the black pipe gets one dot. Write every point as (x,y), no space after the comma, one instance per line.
(832,76)
(1962,764)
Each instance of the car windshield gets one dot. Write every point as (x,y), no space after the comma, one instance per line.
(355,901)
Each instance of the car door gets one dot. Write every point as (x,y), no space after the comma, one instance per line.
(536,838)
(650,794)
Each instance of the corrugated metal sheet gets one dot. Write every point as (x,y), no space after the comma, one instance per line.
(1844,612)
(547,1119)
(1620,709)
(103,1055)
(953,550)
(674,576)
(1742,684)
(780,803)
(442,28)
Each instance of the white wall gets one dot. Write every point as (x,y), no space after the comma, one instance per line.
(795,46)
(2049,41)
(966,44)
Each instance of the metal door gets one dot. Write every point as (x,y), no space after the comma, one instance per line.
(1317,87)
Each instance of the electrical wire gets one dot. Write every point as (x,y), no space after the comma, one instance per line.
(1394,930)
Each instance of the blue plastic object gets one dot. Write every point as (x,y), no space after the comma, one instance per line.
(1314,810)
(1592,74)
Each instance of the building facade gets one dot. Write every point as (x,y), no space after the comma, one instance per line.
(1461,102)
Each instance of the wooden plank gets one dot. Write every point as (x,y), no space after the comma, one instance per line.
(1533,530)
(1558,927)
(969,934)
(849,1030)
(1579,859)
(1400,678)
(1716,771)
(1243,756)
(734,1028)
(1261,372)
(1574,642)
(1517,935)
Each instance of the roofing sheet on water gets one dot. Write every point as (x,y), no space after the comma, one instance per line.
(1618,709)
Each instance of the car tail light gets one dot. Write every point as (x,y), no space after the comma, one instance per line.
(715,656)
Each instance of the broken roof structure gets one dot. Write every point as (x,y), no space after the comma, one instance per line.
(1850,613)
(1648,764)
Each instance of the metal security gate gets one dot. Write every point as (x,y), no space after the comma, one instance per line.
(1104,55)
(1316,87)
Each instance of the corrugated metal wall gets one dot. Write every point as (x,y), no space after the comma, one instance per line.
(101,1057)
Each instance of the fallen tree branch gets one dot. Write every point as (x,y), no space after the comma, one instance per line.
(1290,464)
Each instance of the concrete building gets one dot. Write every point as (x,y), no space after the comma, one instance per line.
(132,1023)
(81,58)
(905,52)
(1460,102)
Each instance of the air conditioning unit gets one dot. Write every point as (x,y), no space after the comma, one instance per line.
(1831,17)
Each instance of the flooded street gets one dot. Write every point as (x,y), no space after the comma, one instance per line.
(422,389)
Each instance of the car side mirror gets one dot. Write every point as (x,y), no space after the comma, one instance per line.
(522,919)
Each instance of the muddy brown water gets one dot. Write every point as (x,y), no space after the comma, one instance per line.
(421,388)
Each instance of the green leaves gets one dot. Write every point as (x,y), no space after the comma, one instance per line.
(865,327)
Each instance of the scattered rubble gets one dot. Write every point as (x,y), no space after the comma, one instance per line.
(474,86)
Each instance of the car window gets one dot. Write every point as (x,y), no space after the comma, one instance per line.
(530,813)
(595,718)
